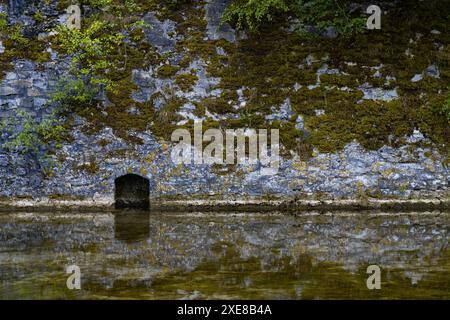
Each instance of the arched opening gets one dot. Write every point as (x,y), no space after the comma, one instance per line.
(132,191)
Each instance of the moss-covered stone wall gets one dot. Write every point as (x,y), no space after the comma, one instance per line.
(359,115)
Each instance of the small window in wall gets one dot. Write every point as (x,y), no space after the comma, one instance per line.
(132,191)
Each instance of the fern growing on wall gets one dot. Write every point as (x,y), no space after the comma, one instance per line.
(251,15)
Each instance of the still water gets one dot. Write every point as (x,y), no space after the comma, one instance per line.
(129,255)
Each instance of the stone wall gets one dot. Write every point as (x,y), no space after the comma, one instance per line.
(86,168)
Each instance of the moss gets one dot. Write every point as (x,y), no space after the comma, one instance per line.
(167,71)
(185,62)
(271,64)
(103,142)
(165,119)
(119,153)
(18,46)
(222,104)
(65,197)
(38,17)
(403,187)
(186,81)
(268,66)
(90,167)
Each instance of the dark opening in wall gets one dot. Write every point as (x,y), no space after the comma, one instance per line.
(132,191)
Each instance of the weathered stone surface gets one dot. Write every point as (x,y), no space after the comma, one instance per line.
(432,71)
(8,91)
(216,29)
(17,7)
(284,112)
(378,93)
(158,33)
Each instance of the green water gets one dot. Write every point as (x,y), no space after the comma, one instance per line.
(135,255)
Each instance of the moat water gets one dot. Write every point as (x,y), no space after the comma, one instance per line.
(139,255)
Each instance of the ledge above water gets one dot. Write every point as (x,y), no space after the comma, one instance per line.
(232,205)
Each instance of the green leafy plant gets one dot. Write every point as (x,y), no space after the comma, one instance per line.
(3,21)
(74,92)
(18,46)
(34,134)
(251,14)
(446,107)
(38,16)
(3,126)
(17,36)
(35,137)
(99,3)
(322,14)
(103,53)
(91,50)
(99,50)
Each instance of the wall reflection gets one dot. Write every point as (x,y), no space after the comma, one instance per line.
(131,226)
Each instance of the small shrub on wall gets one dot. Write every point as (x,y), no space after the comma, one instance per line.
(251,15)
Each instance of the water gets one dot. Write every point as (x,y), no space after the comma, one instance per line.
(128,254)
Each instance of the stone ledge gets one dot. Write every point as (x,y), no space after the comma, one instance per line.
(245,205)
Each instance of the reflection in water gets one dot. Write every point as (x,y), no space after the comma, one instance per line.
(131,226)
(132,254)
